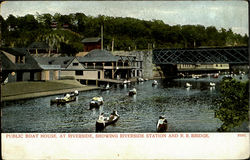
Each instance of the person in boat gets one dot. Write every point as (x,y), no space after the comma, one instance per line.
(161,125)
(101,119)
(76,92)
(133,90)
(155,82)
(107,86)
(66,98)
(113,115)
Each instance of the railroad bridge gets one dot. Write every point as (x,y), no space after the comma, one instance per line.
(168,59)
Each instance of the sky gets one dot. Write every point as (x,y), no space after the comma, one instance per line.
(221,14)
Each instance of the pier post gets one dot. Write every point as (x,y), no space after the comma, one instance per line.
(86,82)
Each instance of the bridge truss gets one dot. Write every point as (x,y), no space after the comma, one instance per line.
(231,55)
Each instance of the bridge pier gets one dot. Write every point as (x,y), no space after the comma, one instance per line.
(169,70)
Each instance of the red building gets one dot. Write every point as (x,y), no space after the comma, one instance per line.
(91,43)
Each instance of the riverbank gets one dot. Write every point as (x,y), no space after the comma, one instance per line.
(26,90)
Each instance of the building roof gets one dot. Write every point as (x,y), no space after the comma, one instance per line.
(7,65)
(38,45)
(30,62)
(81,54)
(91,40)
(16,51)
(98,55)
(64,62)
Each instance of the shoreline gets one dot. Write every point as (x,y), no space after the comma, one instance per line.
(45,93)
(29,90)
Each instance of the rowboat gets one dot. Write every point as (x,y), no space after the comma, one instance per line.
(132,92)
(188,85)
(211,84)
(155,83)
(107,87)
(96,102)
(63,100)
(140,80)
(216,75)
(103,122)
(162,125)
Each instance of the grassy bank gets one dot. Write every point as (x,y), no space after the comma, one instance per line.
(23,90)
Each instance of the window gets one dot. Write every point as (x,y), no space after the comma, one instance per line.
(20,59)
(79,73)
(75,64)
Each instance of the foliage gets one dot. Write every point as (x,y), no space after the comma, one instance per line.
(128,33)
(233,104)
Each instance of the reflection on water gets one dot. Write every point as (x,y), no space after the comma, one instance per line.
(187,109)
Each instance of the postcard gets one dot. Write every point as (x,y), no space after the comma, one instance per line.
(124,79)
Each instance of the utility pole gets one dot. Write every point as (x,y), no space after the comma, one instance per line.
(102,37)
(113,41)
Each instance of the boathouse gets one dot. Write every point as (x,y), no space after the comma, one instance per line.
(26,67)
(7,67)
(55,68)
(91,43)
(109,66)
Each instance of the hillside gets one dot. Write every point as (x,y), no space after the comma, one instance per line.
(65,33)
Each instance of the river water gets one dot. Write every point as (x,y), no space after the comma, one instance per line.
(186,109)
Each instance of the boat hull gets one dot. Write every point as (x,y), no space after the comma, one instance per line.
(101,126)
(95,105)
(62,101)
(162,127)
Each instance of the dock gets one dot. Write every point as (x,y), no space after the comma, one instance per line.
(104,81)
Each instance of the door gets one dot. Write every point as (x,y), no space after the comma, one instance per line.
(19,76)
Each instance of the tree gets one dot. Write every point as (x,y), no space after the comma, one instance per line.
(233,104)
(128,32)
(45,19)
(212,36)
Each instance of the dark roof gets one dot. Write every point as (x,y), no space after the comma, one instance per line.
(30,62)
(6,63)
(98,55)
(16,51)
(62,61)
(38,45)
(91,40)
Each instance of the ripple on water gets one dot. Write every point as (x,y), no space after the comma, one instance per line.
(186,110)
